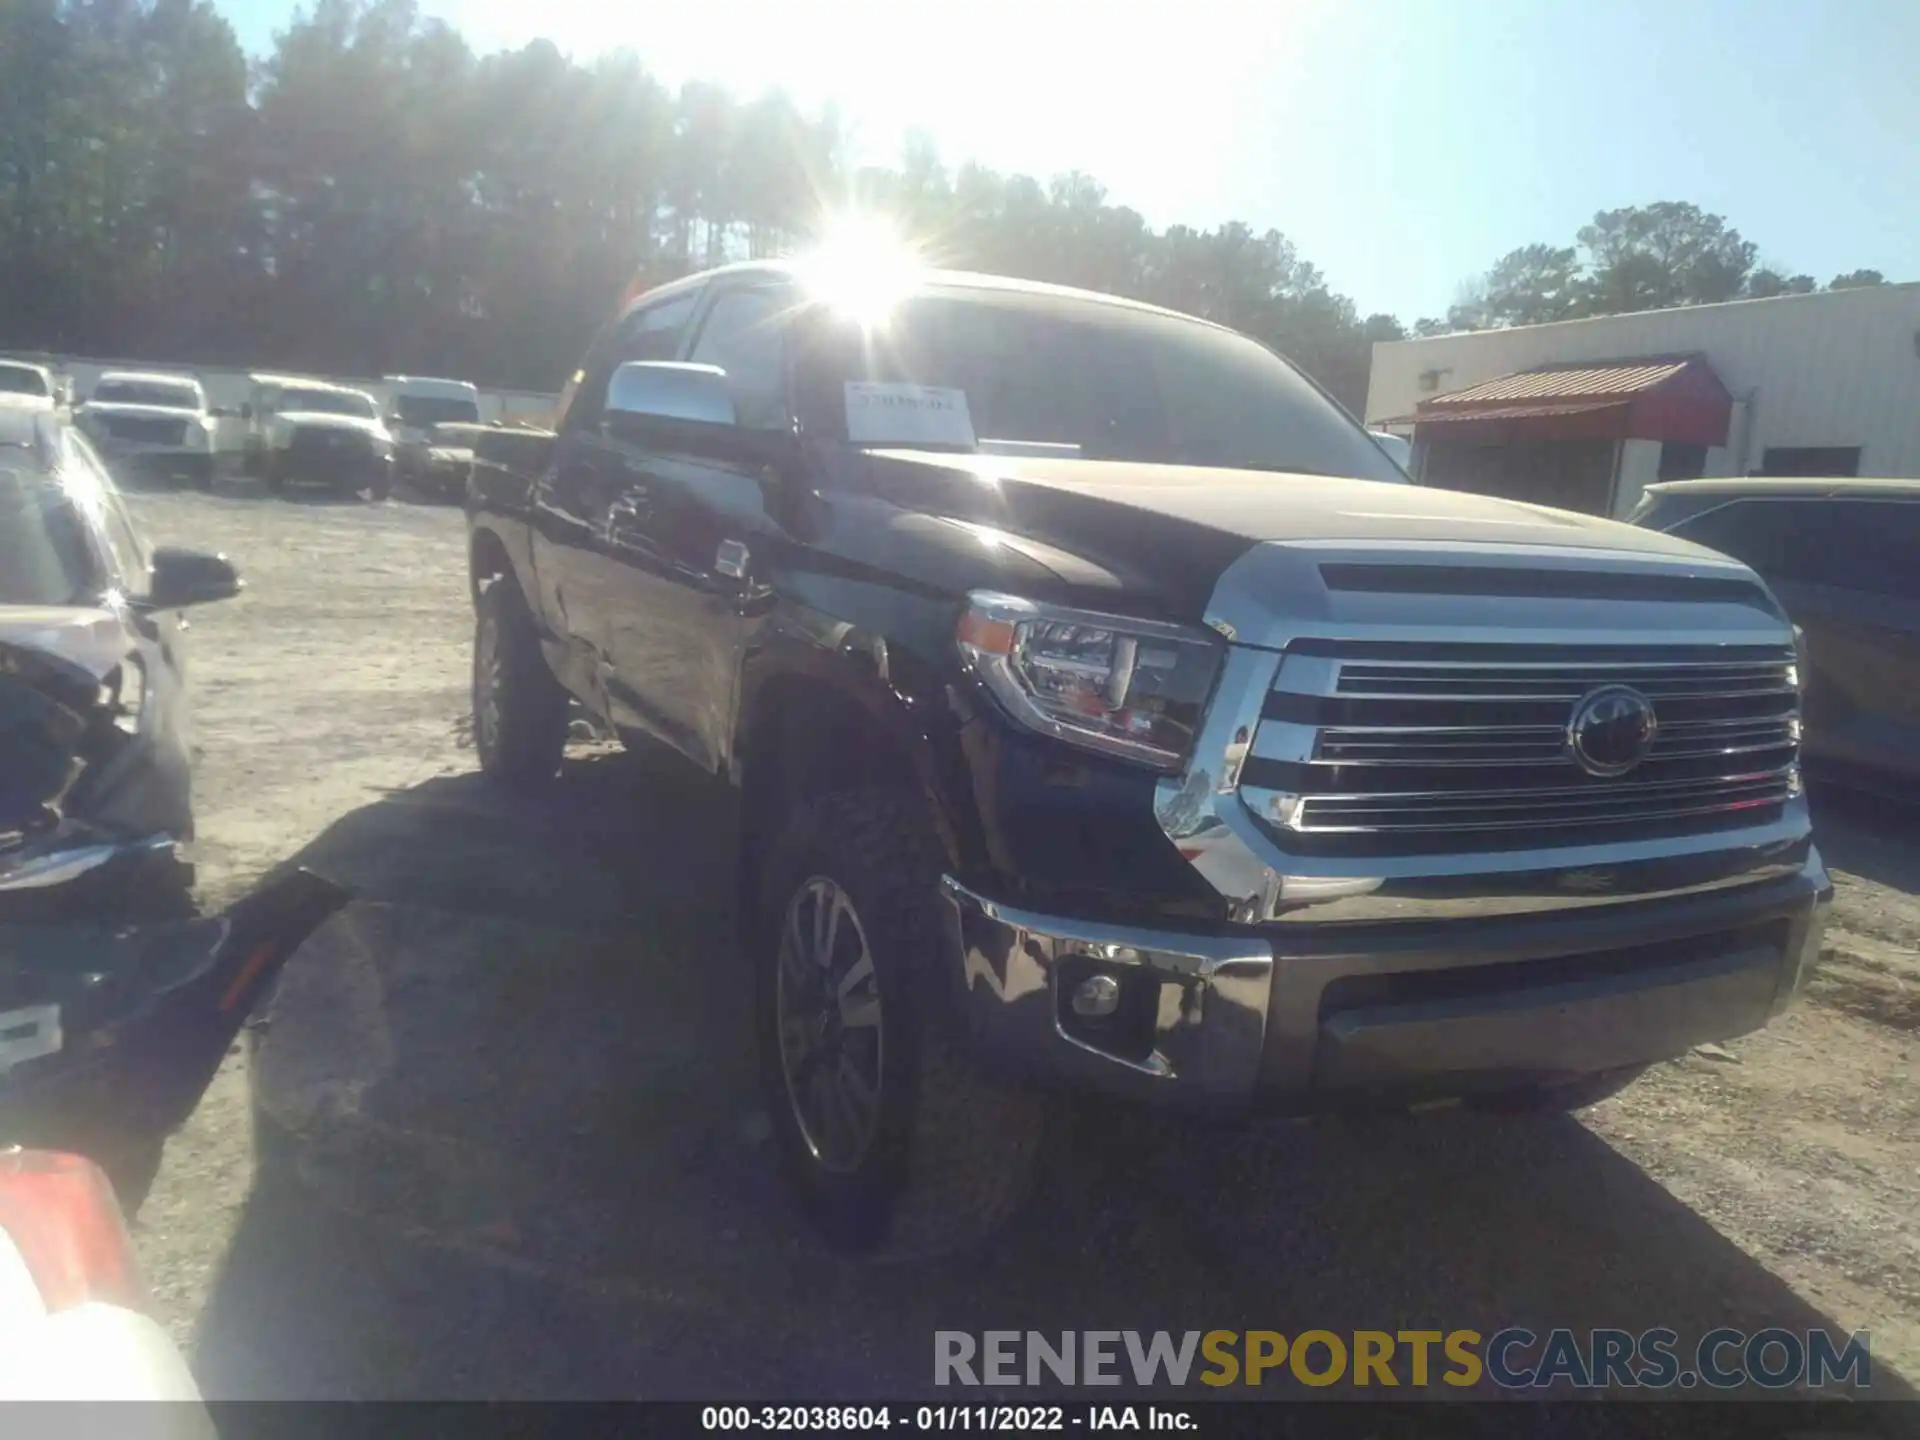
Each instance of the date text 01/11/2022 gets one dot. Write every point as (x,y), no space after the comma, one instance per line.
(946,1417)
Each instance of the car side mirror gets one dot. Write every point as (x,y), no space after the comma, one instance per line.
(646,390)
(221,412)
(179,578)
(246,410)
(392,417)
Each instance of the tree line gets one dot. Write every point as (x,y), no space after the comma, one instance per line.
(374,196)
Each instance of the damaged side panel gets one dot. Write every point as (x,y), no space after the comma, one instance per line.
(93,783)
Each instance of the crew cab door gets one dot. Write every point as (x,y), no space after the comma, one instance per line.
(691,534)
(574,495)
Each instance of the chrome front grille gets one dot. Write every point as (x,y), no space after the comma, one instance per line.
(1385,748)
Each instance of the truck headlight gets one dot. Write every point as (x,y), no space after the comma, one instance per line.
(1135,689)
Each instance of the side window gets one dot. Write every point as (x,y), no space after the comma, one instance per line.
(128,555)
(1866,545)
(653,332)
(745,335)
(1752,531)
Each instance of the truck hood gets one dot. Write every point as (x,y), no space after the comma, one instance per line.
(320,420)
(1173,530)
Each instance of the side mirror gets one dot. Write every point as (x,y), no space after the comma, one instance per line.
(221,412)
(179,578)
(246,410)
(392,417)
(657,390)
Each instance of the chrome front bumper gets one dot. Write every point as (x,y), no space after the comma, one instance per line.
(1438,1010)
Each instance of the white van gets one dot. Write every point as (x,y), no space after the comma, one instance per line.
(415,405)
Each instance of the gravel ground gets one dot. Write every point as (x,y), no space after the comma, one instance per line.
(502,1138)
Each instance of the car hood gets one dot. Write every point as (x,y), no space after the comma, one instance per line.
(14,400)
(88,638)
(158,412)
(320,420)
(1173,530)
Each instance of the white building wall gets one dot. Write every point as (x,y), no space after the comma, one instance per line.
(1639,467)
(1835,368)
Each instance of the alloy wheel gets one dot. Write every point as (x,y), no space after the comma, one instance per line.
(827,1006)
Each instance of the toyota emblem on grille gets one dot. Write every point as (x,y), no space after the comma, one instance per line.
(1611,730)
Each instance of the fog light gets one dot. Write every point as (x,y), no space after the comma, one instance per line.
(1096,996)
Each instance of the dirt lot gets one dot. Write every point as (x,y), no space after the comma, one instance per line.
(502,1138)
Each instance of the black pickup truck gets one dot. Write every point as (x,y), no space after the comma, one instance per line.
(1109,713)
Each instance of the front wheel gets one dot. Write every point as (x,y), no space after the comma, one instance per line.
(519,709)
(894,1143)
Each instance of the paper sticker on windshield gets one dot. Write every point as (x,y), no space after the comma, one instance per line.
(882,414)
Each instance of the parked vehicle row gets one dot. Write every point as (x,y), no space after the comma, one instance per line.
(296,430)
(1108,713)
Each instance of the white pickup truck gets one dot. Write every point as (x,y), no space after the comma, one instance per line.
(160,423)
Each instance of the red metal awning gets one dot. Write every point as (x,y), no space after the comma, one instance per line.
(1662,397)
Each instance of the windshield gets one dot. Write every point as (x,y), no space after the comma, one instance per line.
(22,380)
(423,411)
(45,558)
(147,392)
(1060,375)
(326,402)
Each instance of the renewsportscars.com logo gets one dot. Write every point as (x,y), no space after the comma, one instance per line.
(1513,1359)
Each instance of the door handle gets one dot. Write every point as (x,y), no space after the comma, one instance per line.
(621,515)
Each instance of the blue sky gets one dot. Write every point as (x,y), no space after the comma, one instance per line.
(1404,145)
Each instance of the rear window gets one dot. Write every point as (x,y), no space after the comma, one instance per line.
(46,556)
(1081,378)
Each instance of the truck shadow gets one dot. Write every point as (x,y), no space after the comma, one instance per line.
(510,1145)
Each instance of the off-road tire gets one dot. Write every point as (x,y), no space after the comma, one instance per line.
(523,748)
(954,1149)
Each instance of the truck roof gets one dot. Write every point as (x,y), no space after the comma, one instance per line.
(1796,486)
(147,377)
(931,279)
(430,385)
(332,387)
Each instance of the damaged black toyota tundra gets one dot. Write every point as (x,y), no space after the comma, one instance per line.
(1108,713)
